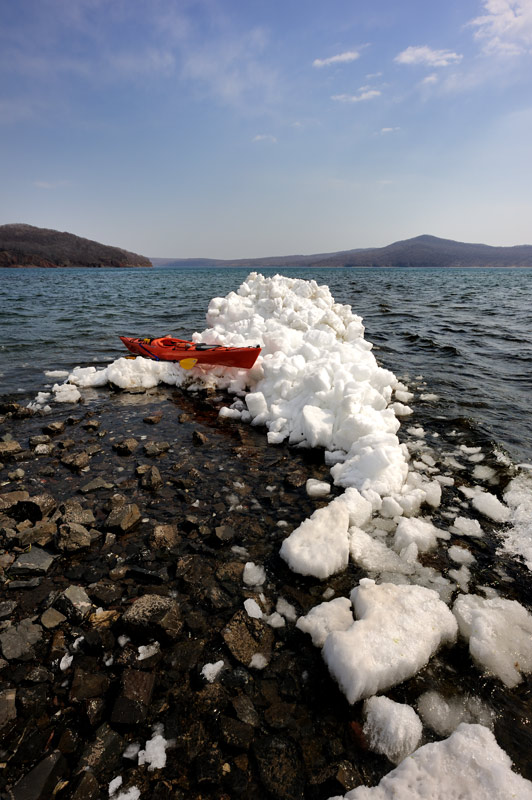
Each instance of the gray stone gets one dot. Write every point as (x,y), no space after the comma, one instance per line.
(16,475)
(95,484)
(76,461)
(8,709)
(126,447)
(75,602)
(10,499)
(151,479)
(6,608)
(156,448)
(104,753)
(43,438)
(18,640)
(32,583)
(152,614)
(73,511)
(9,449)
(73,537)
(52,618)
(39,784)
(35,562)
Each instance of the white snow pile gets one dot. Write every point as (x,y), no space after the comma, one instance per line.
(499,633)
(392,729)
(517,539)
(396,631)
(444,714)
(469,765)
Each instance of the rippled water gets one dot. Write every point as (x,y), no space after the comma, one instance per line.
(467,332)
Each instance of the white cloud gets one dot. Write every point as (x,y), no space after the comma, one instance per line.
(341,58)
(426,55)
(265,137)
(432,78)
(363,94)
(50,184)
(506,28)
(390,130)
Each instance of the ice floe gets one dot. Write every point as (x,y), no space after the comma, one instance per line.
(469,765)
(392,729)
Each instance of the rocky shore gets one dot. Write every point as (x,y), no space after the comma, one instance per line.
(124,537)
(148,646)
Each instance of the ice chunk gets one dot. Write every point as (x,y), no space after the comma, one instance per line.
(286,609)
(211,671)
(374,556)
(471,754)
(154,754)
(467,527)
(253,609)
(444,715)
(254,574)
(358,507)
(518,537)
(420,532)
(392,729)
(320,546)
(499,633)
(258,661)
(460,555)
(317,488)
(334,615)
(398,629)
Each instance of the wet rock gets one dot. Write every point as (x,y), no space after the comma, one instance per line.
(245,637)
(88,788)
(208,769)
(235,733)
(164,536)
(8,709)
(91,425)
(104,753)
(73,511)
(10,499)
(18,640)
(153,419)
(39,784)
(199,438)
(42,534)
(86,685)
(52,618)
(153,449)
(32,583)
(74,602)
(35,441)
(245,710)
(224,534)
(73,537)
(153,614)
(126,447)
(76,461)
(6,608)
(280,767)
(54,428)
(131,707)
(35,508)
(106,593)
(95,485)
(35,562)
(16,475)
(9,449)
(124,518)
(296,478)
(151,479)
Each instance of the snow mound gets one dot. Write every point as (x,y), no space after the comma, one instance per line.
(392,729)
(398,629)
(499,633)
(471,752)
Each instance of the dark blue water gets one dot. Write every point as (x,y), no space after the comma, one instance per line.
(467,332)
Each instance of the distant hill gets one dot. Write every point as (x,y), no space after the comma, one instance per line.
(28,246)
(421,251)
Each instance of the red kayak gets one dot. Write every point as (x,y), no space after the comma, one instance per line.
(188,354)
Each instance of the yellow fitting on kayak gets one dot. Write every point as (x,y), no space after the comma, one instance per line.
(188,363)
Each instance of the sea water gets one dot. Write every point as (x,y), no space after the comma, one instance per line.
(463,338)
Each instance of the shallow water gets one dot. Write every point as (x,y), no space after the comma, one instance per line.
(467,332)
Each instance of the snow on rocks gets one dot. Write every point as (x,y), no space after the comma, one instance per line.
(471,752)
(499,633)
(397,630)
(392,729)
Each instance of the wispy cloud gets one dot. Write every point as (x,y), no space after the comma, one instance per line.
(340,58)
(506,28)
(265,137)
(51,184)
(390,130)
(429,79)
(427,56)
(364,93)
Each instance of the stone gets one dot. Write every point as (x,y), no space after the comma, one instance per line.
(6,608)
(35,441)
(164,536)
(16,475)
(153,419)
(88,788)
(42,534)
(131,706)
(35,562)
(9,449)
(8,709)
(224,533)
(35,508)
(17,641)
(76,461)
(72,537)
(10,499)
(52,618)
(199,438)
(153,614)
(280,767)
(126,447)
(236,733)
(151,479)
(123,519)
(95,484)
(73,511)
(153,449)
(104,753)
(87,684)
(245,637)
(53,428)
(75,602)
(91,425)
(40,782)
(245,710)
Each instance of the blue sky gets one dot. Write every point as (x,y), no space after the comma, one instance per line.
(234,128)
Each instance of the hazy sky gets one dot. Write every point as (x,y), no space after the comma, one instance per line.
(233,128)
